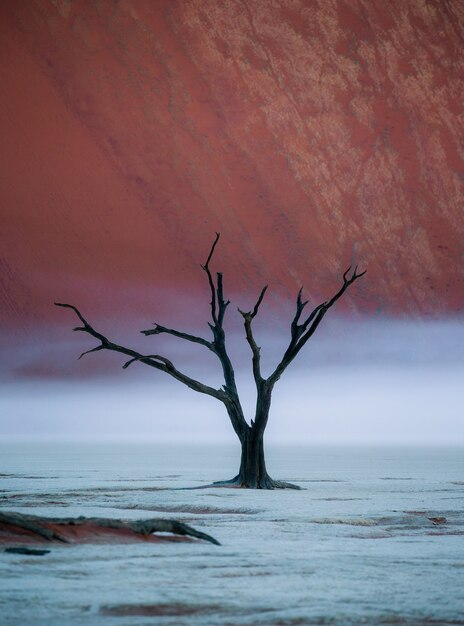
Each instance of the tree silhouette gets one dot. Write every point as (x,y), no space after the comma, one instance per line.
(252,472)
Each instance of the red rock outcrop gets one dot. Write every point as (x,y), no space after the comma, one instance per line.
(311,133)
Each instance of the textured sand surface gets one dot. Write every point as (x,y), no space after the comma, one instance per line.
(310,133)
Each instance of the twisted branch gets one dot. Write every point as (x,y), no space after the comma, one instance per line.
(228,394)
(301,333)
(156,361)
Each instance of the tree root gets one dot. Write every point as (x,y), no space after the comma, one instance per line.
(54,528)
(266,483)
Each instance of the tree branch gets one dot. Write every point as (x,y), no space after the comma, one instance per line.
(301,333)
(255,349)
(158,330)
(156,361)
(258,303)
(89,351)
(322,309)
(222,304)
(218,304)
(218,309)
(205,267)
(157,357)
(300,305)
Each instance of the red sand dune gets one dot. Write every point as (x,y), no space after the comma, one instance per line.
(311,134)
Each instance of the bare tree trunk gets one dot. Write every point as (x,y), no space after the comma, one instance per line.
(253,473)
(252,466)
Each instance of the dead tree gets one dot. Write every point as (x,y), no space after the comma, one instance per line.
(252,472)
(13,525)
